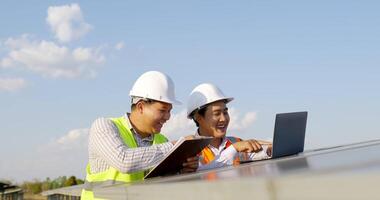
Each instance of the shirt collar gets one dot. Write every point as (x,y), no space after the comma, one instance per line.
(135,134)
(223,144)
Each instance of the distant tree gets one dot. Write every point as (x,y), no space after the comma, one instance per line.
(80,181)
(34,187)
(46,185)
(37,186)
(71,181)
(63,181)
(59,182)
(54,184)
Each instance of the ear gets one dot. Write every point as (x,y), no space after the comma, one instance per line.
(197,117)
(140,107)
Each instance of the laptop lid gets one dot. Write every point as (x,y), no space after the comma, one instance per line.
(289,134)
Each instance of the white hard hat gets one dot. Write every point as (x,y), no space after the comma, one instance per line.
(156,86)
(204,94)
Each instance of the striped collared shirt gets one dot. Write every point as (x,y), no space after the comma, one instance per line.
(106,148)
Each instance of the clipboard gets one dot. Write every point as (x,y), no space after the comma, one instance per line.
(183,149)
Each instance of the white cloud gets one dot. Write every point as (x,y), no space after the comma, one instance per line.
(11,84)
(119,46)
(50,59)
(74,139)
(240,123)
(179,125)
(67,22)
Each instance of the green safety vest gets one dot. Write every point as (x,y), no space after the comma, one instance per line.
(112,175)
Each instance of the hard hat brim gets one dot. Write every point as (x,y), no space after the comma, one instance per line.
(175,102)
(138,98)
(227,99)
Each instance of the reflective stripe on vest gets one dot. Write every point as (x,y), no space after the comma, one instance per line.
(207,156)
(112,175)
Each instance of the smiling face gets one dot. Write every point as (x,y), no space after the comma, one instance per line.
(152,116)
(215,120)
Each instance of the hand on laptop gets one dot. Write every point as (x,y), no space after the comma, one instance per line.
(268,147)
(269,150)
(248,146)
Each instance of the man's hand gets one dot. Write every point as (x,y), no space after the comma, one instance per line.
(269,144)
(269,150)
(248,146)
(191,165)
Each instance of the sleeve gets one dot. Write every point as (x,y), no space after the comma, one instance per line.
(226,158)
(106,143)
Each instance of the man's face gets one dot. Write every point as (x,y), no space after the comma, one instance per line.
(155,115)
(215,121)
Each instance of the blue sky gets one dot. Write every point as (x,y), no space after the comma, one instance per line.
(63,64)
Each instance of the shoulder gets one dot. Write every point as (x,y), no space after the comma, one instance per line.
(102,120)
(102,124)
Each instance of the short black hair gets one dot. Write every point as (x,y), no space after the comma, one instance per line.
(201,112)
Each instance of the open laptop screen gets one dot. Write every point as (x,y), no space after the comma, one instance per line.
(289,134)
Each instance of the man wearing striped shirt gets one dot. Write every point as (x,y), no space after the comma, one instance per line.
(123,149)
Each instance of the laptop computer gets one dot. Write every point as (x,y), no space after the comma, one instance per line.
(289,134)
